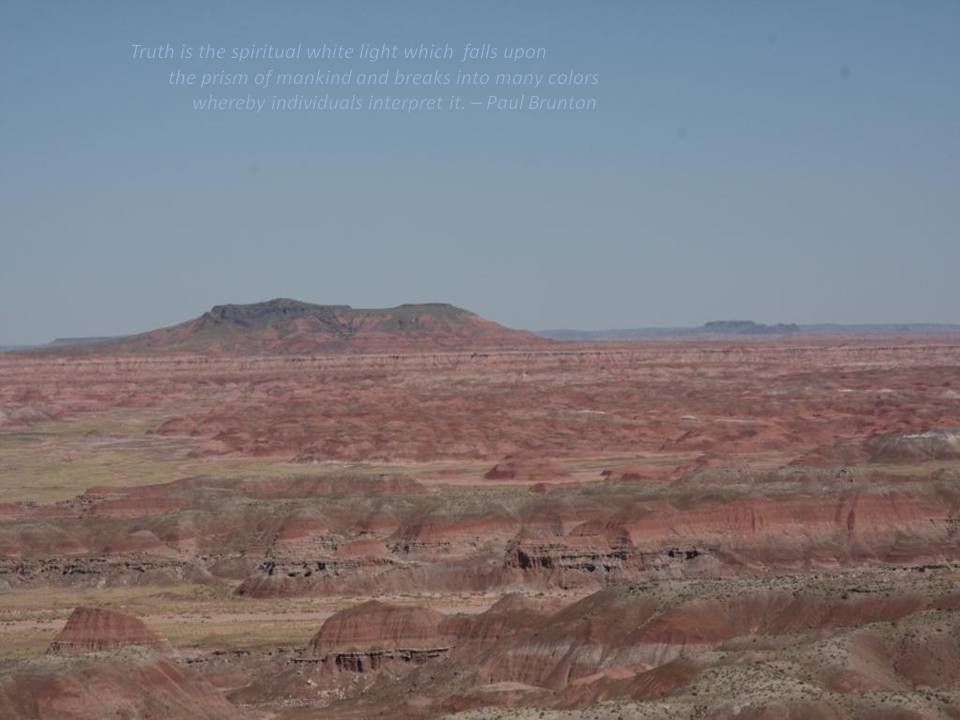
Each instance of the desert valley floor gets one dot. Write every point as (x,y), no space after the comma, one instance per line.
(719,529)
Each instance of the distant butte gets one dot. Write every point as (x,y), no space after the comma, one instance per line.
(284,326)
(747,327)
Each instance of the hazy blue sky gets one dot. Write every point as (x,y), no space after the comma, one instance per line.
(779,161)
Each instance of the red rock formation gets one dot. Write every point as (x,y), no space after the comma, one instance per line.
(363,548)
(132,684)
(377,626)
(511,613)
(921,445)
(95,629)
(729,572)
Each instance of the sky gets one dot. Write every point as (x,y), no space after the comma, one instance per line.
(774,161)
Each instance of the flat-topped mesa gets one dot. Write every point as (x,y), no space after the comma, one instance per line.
(379,627)
(747,327)
(95,629)
(285,326)
(250,313)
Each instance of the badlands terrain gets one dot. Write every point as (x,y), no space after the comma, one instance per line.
(288,511)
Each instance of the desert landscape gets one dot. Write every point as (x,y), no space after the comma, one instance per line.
(287,511)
